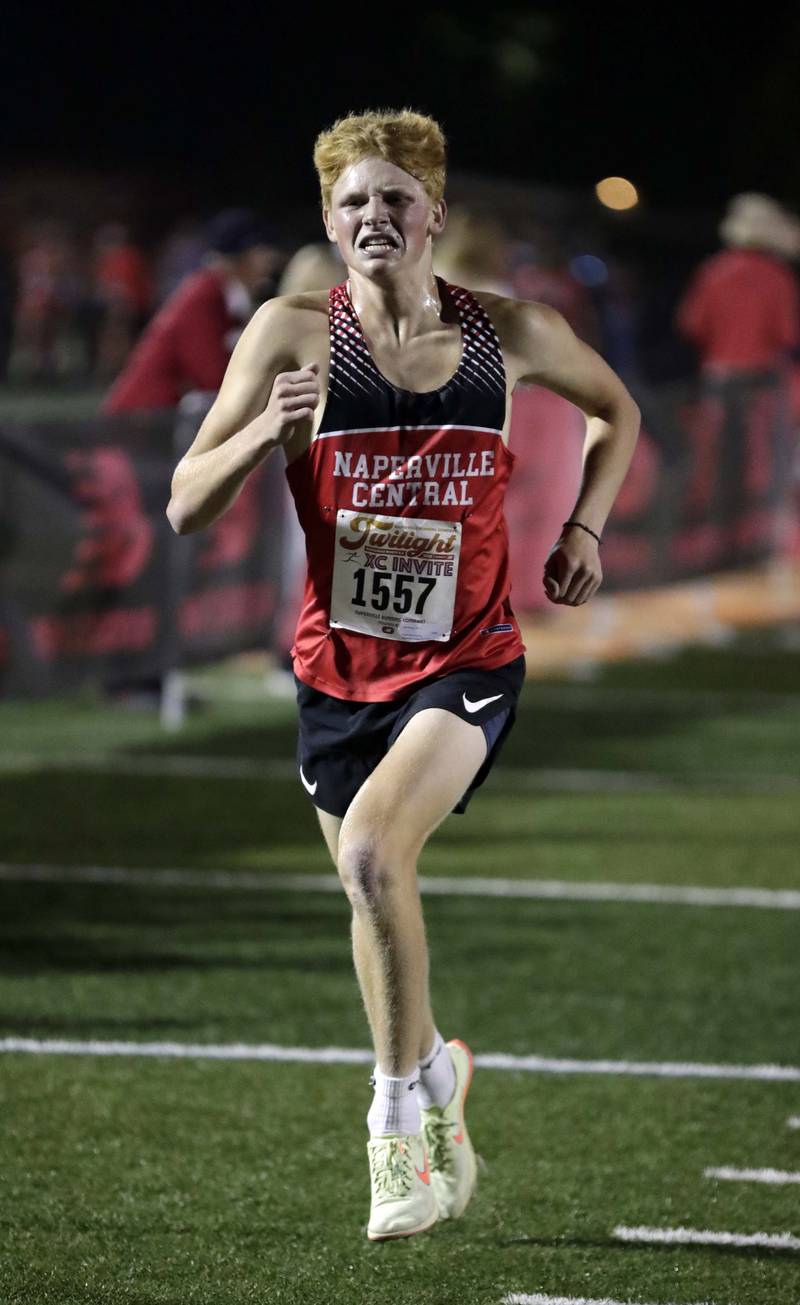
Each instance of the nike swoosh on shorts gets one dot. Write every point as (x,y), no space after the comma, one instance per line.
(482,702)
(309,788)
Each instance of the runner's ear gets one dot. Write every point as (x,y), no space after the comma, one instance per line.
(328,224)
(438,218)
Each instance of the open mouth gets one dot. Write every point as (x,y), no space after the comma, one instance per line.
(379,244)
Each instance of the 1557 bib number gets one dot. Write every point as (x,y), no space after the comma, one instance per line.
(394,577)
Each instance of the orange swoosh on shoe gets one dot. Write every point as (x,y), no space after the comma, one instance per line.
(424,1174)
(459,1136)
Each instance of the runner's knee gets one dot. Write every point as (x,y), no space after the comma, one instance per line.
(361,873)
(371,869)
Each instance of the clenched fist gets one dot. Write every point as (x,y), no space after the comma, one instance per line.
(294,398)
(572,572)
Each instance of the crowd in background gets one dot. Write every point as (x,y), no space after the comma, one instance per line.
(75,306)
(710,349)
(77,303)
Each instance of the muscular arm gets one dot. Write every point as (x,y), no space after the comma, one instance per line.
(259,405)
(542,349)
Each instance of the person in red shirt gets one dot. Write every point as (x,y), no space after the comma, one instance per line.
(742,315)
(741,310)
(188,344)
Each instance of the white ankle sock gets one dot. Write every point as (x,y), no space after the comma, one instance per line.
(437,1075)
(395,1108)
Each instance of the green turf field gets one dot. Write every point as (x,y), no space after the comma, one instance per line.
(173,1178)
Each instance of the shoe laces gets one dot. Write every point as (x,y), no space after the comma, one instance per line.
(438,1139)
(391,1168)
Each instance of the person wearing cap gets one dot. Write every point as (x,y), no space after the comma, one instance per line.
(741,313)
(741,309)
(188,344)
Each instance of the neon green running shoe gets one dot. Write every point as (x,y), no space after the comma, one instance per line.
(454,1169)
(403,1201)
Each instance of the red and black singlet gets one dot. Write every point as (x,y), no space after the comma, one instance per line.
(400,496)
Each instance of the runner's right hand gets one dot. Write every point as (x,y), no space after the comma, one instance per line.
(293,399)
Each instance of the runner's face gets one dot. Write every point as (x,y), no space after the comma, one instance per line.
(381,217)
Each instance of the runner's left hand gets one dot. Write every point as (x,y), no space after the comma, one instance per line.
(572,572)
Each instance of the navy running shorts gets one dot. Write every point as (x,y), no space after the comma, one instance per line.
(341,742)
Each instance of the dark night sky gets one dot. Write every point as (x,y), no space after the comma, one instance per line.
(543,93)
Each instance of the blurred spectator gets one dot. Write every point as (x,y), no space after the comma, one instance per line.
(181,253)
(188,344)
(472,251)
(545,275)
(741,309)
(123,290)
(46,278)
(742,314)
(312,267)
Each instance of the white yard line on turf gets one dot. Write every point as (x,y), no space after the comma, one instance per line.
(704,1237)
(537,1298)
(541,780)
(359,1056)
(640,1068)
(727,1173)
(776,899)
(793,1121)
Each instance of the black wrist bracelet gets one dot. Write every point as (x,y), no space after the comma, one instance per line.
(581,526)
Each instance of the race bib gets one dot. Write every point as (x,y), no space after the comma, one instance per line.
(394,577)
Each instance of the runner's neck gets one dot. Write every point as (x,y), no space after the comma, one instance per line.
(400,309)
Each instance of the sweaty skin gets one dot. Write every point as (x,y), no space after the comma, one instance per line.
(275,387)
(274,394)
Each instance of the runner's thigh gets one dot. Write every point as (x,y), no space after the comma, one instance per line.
(330,826)
(419,781)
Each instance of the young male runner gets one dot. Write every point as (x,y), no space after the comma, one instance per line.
(390,397)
